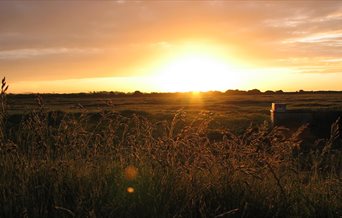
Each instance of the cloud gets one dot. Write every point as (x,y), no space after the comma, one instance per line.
(161,44)
(325,37)
(113,34)
(32,53)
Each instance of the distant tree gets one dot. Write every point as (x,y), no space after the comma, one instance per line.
(137,93)
(301,91)
(234,92)
(254,91)
(279,92)
(269,92)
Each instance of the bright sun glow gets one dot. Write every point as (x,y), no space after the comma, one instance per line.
(197,72)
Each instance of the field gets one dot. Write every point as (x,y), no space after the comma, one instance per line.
(235,112)
(166,155)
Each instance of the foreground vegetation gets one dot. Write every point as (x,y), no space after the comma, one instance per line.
(115,165)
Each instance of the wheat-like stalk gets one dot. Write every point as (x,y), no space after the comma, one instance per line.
(3,112)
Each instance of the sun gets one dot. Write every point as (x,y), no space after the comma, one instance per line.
(197,72)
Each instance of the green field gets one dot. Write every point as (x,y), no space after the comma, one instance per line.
(166,155)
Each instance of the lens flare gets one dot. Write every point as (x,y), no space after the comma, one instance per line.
(130,190)
(131,172)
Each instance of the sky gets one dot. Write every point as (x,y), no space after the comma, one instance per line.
(82,46)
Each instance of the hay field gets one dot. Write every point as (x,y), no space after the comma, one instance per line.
(158,156)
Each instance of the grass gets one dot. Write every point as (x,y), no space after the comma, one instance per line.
(112,164)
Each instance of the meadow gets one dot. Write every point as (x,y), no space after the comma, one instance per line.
(165,155)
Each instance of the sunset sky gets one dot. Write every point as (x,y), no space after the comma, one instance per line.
(82,46)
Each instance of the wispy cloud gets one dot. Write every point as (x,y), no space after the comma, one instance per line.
(325,37)
(161,44)
(287,21)
(31,53)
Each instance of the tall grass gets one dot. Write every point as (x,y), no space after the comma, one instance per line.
(76,165)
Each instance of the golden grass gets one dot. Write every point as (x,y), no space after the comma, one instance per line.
(71,166)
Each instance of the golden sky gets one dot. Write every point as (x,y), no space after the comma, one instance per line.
(81,46)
